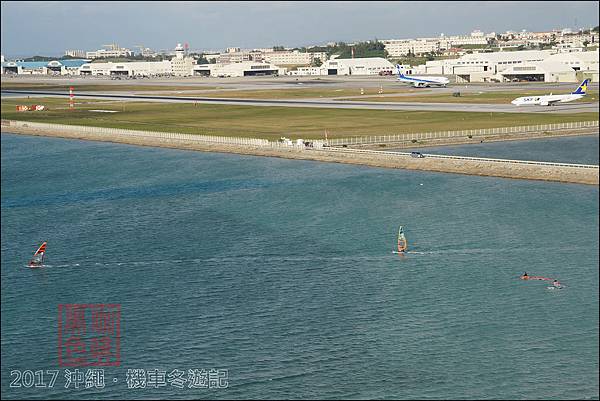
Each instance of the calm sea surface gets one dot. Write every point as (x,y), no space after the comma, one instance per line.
(569,149)
(282,272)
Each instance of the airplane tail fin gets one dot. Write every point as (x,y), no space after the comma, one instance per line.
(581,89)
(399,71)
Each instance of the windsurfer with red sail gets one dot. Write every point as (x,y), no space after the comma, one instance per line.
(38,257)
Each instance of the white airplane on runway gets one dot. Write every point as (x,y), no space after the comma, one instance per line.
(549,100)
(421,82)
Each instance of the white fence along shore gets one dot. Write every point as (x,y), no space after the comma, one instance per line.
(394,138)
(264,143)
(226,140)
(393,154)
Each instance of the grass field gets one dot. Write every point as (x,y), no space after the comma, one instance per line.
(296,93)
(469,97)
(268,122)
(205,91)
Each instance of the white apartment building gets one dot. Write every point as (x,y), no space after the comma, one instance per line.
(237,55)
(234,56)
(75,53)
(293,57)
(147,52)
(579,40)
(455,41)
(535,38)
(112,50)
(402,47)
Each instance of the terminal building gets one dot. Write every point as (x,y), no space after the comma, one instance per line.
(112,50)
(180,65)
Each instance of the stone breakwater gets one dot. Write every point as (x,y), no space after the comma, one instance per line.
(506,169)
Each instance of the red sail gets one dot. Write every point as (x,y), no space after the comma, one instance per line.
(41,249)
(38,256)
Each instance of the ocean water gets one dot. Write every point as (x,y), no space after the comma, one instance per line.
(282,272)
(568,149)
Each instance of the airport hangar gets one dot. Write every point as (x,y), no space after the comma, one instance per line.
(128,69)
(527,65)
(348,66)
(242,69)
(54,67)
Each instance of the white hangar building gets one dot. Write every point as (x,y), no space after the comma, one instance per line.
(128,69)
(242,69)
(544,71)
(585,63)
(491,63)
(355,66)
(54,67)
(536,65)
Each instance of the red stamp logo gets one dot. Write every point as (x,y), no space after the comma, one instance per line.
(89,335)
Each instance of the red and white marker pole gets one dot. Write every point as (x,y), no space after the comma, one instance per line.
(71,104)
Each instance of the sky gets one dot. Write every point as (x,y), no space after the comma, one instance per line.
(51,27)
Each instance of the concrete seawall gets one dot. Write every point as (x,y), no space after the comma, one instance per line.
(507,169)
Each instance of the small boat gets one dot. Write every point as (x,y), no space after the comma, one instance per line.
(402,244)
(38,257)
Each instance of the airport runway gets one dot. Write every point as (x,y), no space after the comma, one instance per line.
(327,103)
(289,82)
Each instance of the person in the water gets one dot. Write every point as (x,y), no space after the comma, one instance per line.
(525,276)
(556,284)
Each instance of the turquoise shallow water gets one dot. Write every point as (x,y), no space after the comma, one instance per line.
(569,149)
(281,271)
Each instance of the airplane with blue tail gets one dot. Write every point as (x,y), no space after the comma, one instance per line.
(549,100)
(421,82)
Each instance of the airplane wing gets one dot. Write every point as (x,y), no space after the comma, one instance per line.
(550,102)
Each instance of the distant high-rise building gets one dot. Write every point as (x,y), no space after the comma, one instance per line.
(112,50)
(75,53)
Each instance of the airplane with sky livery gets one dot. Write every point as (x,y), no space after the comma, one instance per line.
(421,82)
(549,100)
